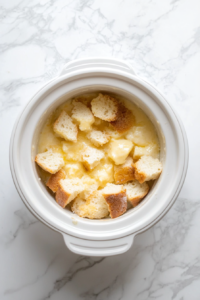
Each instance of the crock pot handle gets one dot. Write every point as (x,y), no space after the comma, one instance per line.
(98,248)
(96,62)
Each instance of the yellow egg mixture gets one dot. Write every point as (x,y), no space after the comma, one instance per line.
(140,140)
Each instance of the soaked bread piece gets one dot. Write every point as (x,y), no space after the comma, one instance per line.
(50,161)
(147,168)
(95,207)
(105,107)
(125,172)
(136,192)
(53,181)
(124,121)
(115,196)
(65,128)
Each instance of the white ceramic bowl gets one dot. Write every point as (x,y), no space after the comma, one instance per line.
(108,236)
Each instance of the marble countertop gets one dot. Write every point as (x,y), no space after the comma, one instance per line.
(161,40)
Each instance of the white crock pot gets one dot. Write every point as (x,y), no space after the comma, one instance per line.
(108,236)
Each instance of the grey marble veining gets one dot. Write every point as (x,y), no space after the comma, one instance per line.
(161,40)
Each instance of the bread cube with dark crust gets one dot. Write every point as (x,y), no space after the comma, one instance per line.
(67,190)
(125,172)
(53,181)
(124,121)
(116,198)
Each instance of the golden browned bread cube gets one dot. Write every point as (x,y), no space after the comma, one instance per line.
(124,121)
(125,172)
(115,196)
(67,190)
(53,181)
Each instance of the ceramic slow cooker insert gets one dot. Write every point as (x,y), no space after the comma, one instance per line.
(107,236)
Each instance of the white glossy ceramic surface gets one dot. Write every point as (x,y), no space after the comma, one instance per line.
(99,237)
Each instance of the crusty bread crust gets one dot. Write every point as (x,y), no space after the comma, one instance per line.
(62,197)
(67,190)
(53,181)
(117,204)
(123,174)
(87,166)
(125,119)
(141,177)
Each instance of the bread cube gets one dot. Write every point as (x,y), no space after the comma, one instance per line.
(125,172)
(115,196)
(147,168)
(91,157)
(119,150)
(94,207)
(124,121)
(53,181)
(50,161)
(105,107)
(98,138)
(136,192)
(83,115)
(67,190)
(65,128)
(77,206)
